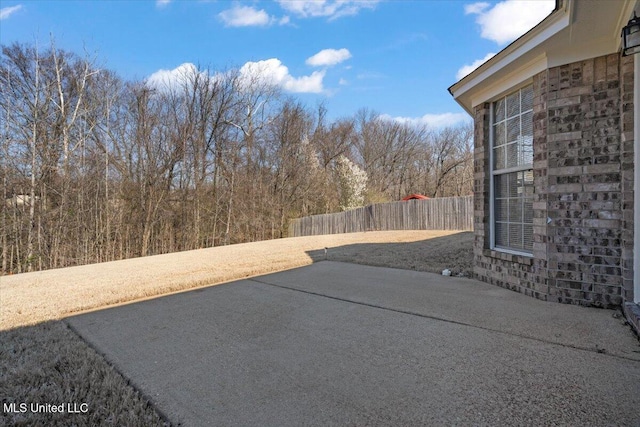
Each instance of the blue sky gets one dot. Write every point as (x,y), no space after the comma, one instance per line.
(394,57)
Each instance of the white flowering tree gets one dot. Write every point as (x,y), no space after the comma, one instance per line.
(353,183)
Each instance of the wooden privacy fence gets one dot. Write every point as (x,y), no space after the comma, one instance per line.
(446,213)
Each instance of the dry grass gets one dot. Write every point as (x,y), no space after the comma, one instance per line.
(454,252)
(42,361)
(48,363)
(31,298)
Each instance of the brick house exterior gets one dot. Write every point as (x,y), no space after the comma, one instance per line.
(564,228)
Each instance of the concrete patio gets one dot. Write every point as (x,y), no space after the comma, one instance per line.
(344,344)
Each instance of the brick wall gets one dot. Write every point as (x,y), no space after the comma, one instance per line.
(627,140)
(583,179)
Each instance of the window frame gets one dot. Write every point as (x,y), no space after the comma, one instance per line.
(493,172)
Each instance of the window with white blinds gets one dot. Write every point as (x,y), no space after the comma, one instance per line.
(512,171)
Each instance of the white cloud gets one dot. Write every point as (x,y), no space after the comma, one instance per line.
(284,20)
(329,57)
(269,72)
(509,19)
(332,9)
(343,82)
(306,84)
(475,8)
(467,69)
(6,12)
(274,72)
(171,80)
(433,121)
(162,3)
(245,16)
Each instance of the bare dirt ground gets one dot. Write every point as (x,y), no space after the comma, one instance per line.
(43,361)
(30,298)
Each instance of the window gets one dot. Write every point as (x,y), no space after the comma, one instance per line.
(512,171)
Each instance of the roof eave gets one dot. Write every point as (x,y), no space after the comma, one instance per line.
(555,22)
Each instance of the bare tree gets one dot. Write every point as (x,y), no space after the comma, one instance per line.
(292,166)
(385,149)
(449,156)
(95,168)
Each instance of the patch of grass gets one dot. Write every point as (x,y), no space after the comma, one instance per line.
(29,298)
(49,364)
(454,252)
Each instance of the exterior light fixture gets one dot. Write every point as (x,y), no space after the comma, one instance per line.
(631,36)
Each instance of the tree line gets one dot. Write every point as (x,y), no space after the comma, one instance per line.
(97,168)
